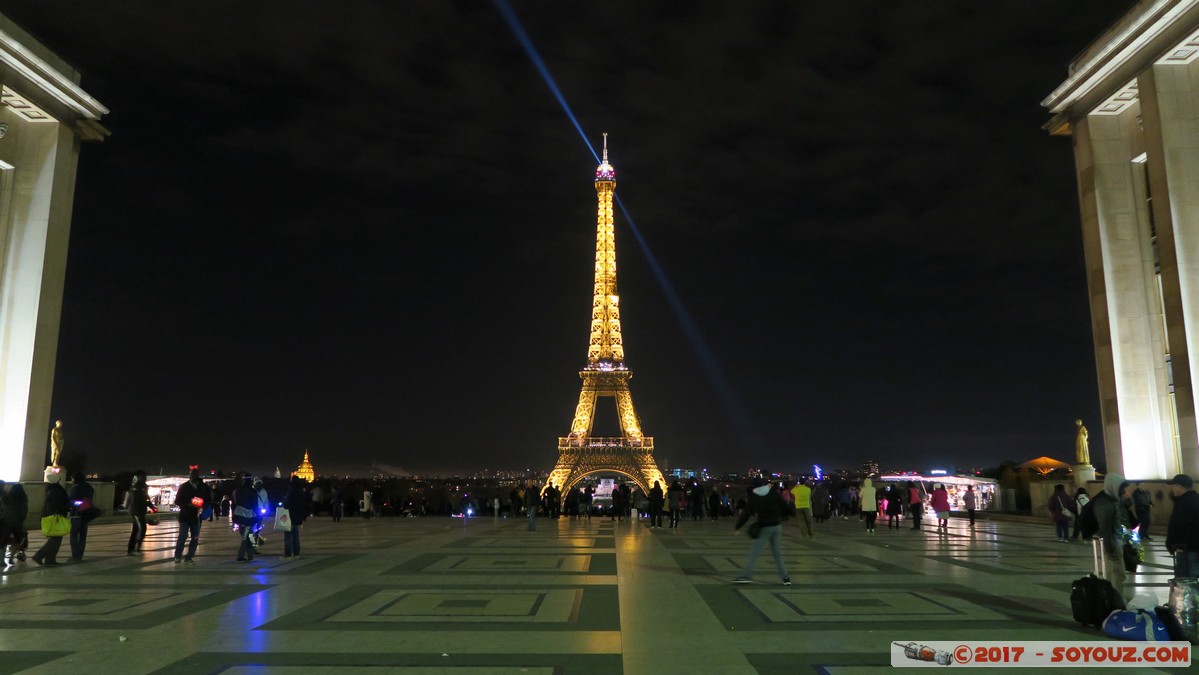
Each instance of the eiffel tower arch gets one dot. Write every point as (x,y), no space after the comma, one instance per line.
(605,376)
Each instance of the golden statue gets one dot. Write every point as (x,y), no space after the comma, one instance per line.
(56,443)
(1082,450)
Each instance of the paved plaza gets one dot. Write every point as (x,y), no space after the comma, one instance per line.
(485,596)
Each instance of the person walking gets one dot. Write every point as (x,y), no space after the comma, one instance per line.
(674,496)
(868,503)
(1113,515)
(767,505)
(970,500)
(136,502)
(531,504)
(1142,503)
(894,506)
(1062,509)
(843,498)
(298,508)
(14,508)
(82,512)
(191,499)
(940,505)
(1182,532)
(245,507)
(55,503)
(656,500)
(915,504)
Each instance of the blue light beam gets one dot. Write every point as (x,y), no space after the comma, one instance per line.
(522,37)
(747,429)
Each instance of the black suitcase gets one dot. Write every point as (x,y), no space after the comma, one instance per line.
(1093,598)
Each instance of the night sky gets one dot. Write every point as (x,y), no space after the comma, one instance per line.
(367,230)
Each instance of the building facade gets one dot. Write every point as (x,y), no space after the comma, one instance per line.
(1130,104)
(44,117)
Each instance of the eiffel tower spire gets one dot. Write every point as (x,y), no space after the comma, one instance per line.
(606,349)
(605,373)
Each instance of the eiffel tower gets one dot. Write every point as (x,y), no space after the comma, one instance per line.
(605,375)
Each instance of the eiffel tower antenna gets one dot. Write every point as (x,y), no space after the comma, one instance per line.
(605,374)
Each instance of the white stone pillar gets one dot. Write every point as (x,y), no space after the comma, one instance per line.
(1170,112)
(1124,292)
(38,189)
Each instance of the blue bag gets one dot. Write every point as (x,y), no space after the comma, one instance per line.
(1141,625)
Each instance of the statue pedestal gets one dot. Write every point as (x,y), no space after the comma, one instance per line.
(53,474)
(1083,473)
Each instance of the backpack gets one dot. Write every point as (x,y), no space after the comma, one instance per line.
(1088,524)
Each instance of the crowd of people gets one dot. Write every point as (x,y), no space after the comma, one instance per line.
(1119,509)
(1120,515)
(68,510)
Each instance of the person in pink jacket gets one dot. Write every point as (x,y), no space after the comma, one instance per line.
(940,504)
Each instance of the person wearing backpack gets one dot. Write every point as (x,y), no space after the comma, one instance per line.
(1081,499)
(1113,519)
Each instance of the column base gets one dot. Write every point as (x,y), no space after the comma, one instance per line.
(52,474)
(1083,473)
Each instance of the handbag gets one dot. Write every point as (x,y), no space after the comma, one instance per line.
(1066,513)
(755,530)
(55,526)
(282,520)
(1131,558)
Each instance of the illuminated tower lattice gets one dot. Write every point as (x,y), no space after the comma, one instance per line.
(605,375)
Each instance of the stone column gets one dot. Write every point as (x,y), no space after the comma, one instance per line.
(1123,286)
(1172,149)
(37,186)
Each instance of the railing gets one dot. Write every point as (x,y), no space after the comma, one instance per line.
(645,442)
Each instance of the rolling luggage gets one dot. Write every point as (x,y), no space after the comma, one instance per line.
(1093,598)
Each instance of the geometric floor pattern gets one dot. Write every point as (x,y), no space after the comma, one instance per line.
(486,597)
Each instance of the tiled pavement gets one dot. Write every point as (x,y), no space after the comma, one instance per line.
(485,596)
